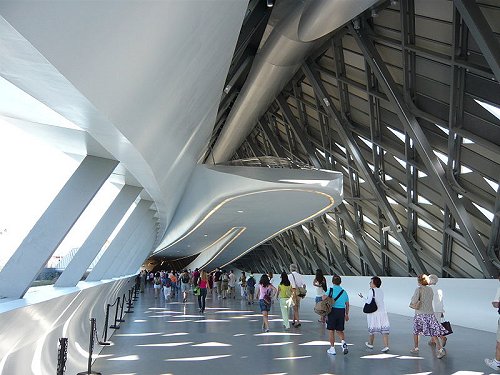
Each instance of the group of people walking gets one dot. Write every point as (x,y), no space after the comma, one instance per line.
(427,301)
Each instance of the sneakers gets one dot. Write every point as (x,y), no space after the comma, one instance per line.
(414,351)
(492,363)
(344,348)
(331,351)
(441,353)
(369,346)
(385,349)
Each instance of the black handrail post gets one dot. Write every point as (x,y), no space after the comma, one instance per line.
(136,297)
(121,320)
(115,326)
(62,355)
(91,349)
(106,321)
(129,302)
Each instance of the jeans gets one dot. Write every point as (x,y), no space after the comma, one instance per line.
(201,298)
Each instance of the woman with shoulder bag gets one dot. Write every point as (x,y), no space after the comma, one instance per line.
(266,293)
(378,321)
(320,284)
(424,321)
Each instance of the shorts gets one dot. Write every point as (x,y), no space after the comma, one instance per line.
(184,287)
(263,306)
(335,320)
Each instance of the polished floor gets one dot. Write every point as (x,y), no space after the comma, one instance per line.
(161,338)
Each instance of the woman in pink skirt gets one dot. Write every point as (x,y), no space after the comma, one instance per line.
(424,321)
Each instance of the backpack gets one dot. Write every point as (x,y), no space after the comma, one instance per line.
(185,279)
(267,297)
(157,281)
(168,282)
(251,282)
(324,306)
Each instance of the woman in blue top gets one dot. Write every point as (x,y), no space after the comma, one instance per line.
(339,314)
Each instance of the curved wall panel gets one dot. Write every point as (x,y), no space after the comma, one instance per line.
(32,326)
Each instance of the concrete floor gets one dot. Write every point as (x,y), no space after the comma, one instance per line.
(161,338)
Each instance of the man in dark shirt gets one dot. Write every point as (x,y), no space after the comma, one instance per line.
(217,281)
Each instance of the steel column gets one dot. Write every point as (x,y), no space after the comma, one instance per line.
(432,163)
(482,33)
(374,182)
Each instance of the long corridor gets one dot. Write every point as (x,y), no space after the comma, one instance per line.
(161,338)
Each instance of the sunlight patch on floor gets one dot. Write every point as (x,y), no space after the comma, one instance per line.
(291,358)
(212,344)
(133,357)
(277,343)
(179,321)
(316,343)
(166,344)
(205,358)
(175,334)
(378,356)
(278,334)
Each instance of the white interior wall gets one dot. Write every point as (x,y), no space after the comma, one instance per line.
(467,302)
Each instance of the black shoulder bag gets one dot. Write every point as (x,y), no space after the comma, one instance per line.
(371,307)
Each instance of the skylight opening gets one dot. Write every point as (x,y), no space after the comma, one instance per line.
(321,153)
(402,162)
(441,156)
(421,174)
(493,184)
(391,201)
(388,177)
(329,217)
(361,181)
(349,234)
(397,133)
(370,236)
(342,148)
(424,224)
(423,200)
(464,169)
(443,129)
(489,215)
(366,142)
(467,141)
(494,110)
(305,229)
(403,186)
(393,240)
(366,219)
(371,167)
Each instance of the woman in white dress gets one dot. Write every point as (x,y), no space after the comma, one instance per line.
(378,322)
